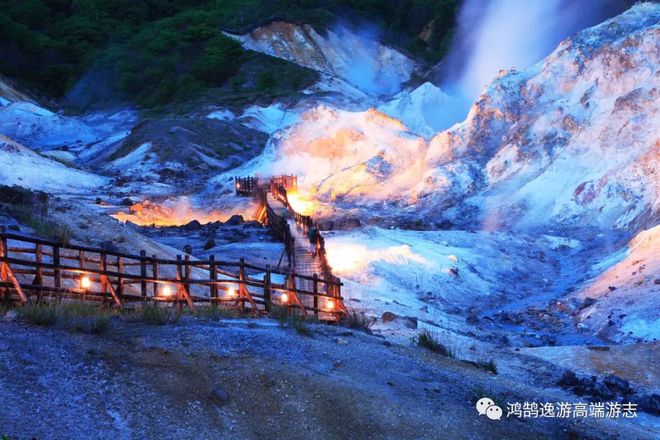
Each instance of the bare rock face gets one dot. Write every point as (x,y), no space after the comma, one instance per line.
(629,311)
(33,171)
(39,128)
(349,54)
(571,140)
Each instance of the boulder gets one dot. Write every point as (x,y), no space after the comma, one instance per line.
(219,396)
(235,220)
(650,404)
(10,316)
(193,226)
(617,385)
(348,223)
(388,316)
(326,225)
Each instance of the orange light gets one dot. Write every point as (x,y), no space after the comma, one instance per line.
(166,291)
(171,212)
(347,258)
(284,298)
(238,185)
(331,305)
(231,292)
(85,282)
(301,203)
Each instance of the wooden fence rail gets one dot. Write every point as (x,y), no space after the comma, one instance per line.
(309,228)
(278,186)
(35,269)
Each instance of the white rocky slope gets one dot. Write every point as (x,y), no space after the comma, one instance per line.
(622,298)
(359,157)
(9,93)
(39,128)
(424,110)
(23,167)
(358,58)
(571,140)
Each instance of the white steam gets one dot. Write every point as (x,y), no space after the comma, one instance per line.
(500,34)
(367,64)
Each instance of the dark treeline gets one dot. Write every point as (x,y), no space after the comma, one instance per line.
(158,51)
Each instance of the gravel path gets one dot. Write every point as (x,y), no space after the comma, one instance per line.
(246,379)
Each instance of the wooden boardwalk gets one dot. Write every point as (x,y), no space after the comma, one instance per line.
(305,251)
(306,261)
(33,269)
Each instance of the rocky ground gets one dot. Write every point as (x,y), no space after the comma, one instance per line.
(248,379)
(228,241)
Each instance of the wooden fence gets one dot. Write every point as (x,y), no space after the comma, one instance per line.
(35,269)
(250,186)
(308,227)
(280,226)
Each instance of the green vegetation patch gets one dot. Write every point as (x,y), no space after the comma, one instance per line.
(427,339)
(153,314)
(31,209)
(86,318)
(156,52)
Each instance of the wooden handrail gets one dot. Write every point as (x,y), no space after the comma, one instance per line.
(53,276)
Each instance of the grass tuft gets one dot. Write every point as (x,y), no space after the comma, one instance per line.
(358,320)
(488,365)
(44,314)
(280,313)
(154,314)
(290,318)
(426,339)
(298,323)
(214,313)
(86,318)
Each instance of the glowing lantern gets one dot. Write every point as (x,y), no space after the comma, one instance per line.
(331,305)
(166,292)
(284,298)
(85,282)
(231,292)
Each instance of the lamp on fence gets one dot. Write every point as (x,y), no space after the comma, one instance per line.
(284,298)
(331,304)
(85,282)
(231,292)
(166,291)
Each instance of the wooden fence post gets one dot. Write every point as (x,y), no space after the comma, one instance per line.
(179,273)
(81,264)
(267,299)
(143,273)
(120,278)
(154,271)
(186,285)
(57,274)
(4,253)
(213,276)
(241,286)
(39,278)
(104,277)
(316,298)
